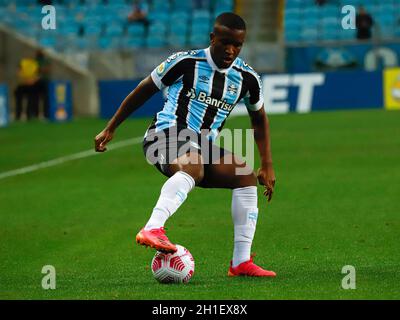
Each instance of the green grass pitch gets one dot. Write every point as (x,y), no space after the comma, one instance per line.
(336,203)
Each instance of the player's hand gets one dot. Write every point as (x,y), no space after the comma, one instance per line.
(266,177)
(102,139)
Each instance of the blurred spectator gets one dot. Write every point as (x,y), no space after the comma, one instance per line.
(33,85)
(139,13)
(364,23)
(28,74)
(45,2)
(320,2)
(42,84)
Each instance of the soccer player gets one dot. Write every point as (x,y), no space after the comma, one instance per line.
(203,87)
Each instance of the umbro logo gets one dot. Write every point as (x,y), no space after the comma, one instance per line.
(204,79)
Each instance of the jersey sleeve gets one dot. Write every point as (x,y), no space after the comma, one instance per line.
(169,70)
(254,99)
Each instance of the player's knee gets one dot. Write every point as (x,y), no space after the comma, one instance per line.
(192,164)
(195,171)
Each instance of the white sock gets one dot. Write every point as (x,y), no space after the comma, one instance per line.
(173,193)
(244,215)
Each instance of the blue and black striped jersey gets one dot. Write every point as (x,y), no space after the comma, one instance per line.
(201,95)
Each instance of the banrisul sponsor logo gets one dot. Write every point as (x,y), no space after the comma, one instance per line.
(203,97)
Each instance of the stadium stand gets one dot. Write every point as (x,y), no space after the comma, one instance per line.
(305,22)
(103,25)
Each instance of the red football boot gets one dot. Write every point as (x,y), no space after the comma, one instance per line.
(249,269)
(156,239)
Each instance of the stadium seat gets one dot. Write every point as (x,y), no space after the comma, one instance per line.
(309,34)
(292,36)
(30,30)
(223,5)
(311,22)
(114,30)
(290,4)
(117,2)
(311,12)
(292,23)
(385,18)
(158,28)
(132,43)
(92,19)
(293,13)
(155,17)
(113,18)
(72,3)
(97,21)
(21,3)
(48,42)
(330,11)
(198,40)
(331,21)
(160,6)
(136,30)
(221,9)
(366,2)
(81,43)
(155,41)
(178,16)
(109,43)
(92,30)
(177,40)
(387,32)
(179,27)
(94,3)
(179,5)
(119,8)
(329,34)
(9,21)
(348,34)
(201,16)
(69,29)
(199,28)
(352,2)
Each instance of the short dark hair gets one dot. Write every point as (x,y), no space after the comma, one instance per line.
(231,21)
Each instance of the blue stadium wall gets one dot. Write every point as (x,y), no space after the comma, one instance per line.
(283,93)
(4,112)
(112,93)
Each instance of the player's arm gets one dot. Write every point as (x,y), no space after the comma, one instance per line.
(266,174)
(144,91)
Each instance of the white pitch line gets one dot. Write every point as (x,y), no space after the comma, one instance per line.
(74,156)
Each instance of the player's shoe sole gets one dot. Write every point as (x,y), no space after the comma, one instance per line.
(145,238)
(271,275)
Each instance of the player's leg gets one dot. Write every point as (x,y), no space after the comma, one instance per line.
(19,96)
(233,173)
(184,173)
(33,102)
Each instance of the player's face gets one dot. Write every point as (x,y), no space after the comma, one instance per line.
(226,45)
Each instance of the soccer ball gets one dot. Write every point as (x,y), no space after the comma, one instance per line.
(175,267)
